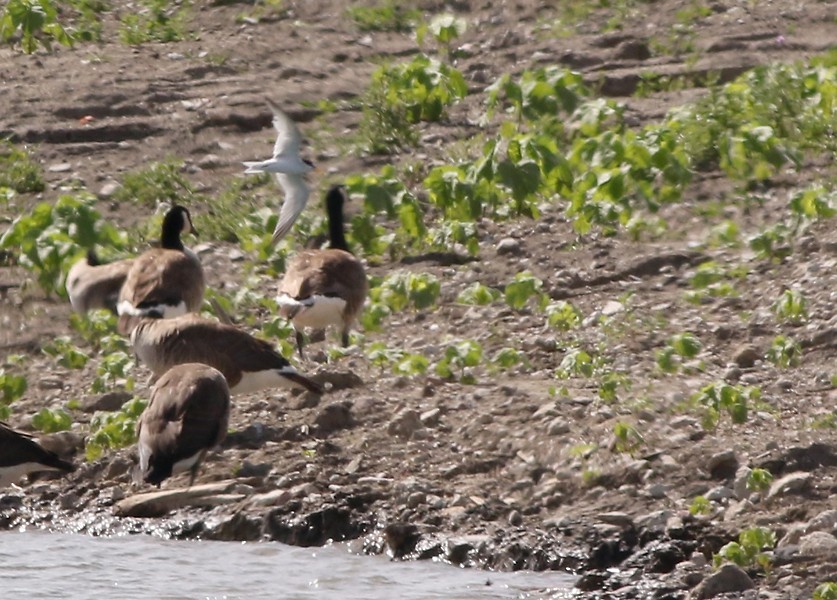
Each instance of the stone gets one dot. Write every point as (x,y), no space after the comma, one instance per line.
(271,498)
(405,424)
(558,426)
(723,465)
(792,535)
(508,246)
(729,578)
(619,519)
(107,190)
(109,401)
(334,417)
(210,161)
(824,521)
(249,469)
(739,485)
(745,356)
(63,443)
(719,493)
(792,483)
(818,543)
(59,167)
(430,418)
(515,518)
(633,50)
(612,307)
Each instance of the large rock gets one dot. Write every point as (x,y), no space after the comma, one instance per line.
(729,578)
(794,483)
(723,464)
(818,543)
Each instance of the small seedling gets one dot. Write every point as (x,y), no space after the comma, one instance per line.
(759,480)
(784,352)
(716,398)
(563,315)
(700,506)
(522,288)
(627,438)
(51,421)
(459,358)
(827,590)
(747,551)
(478,294)
(69,355)
(109,430)
(791,307)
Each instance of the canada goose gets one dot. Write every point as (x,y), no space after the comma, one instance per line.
(324,287)
(91,284)
(248,363)
(289,169)
(163,282)
(188,415)
(20,455)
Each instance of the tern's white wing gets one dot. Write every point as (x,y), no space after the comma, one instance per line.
(287,135)
(296,195)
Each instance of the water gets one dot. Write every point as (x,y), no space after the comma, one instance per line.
(51,565)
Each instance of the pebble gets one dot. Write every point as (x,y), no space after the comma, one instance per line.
(723,465)
(719,493)
(109,401)
(612,308)
(558,426)
(107,190)
(59,167)
(405,424)
(729,578)
(430,418)
(333,417)
(745,356)
(789,484)
(271,498)
(619,519)
(508,246)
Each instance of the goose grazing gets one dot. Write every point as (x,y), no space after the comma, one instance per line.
(324,287)
(188,415)
(91,284)
(289,169)
(163,282)
(248,363)
(20,455)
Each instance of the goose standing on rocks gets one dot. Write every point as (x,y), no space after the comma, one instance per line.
(20,455)
(324,287)
(91,284)
(248,363)
(188,415)
(289,169)
(163,282)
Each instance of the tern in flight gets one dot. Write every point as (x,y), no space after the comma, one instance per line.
(289,169)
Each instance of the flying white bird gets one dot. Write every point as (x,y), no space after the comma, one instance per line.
(289,169)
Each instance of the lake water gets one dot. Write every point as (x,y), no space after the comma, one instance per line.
(36,564)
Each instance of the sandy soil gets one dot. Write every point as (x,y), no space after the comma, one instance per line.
(493,474)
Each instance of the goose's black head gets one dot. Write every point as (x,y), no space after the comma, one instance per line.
(335,198)
(176,222)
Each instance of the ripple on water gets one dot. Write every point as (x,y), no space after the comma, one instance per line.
(71,566)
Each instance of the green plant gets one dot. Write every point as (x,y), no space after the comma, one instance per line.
(69,355)
(700,506)
(791,307)
(478,294)
(562,315)
(459,357)
(784,352)
(827,590)
(522,288)
(155,21)
(774,243)
(160,182)
(747,551)
(682,345)
(444,28)
(400,290)
(411,364)
(18,171)
(627,438)
(110,430)
(12,387)
(50,421)
(48,239)
(759,480)
(716,398)
(401,95)
(386,16)
(506,358)
(114,369)
(37,22)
